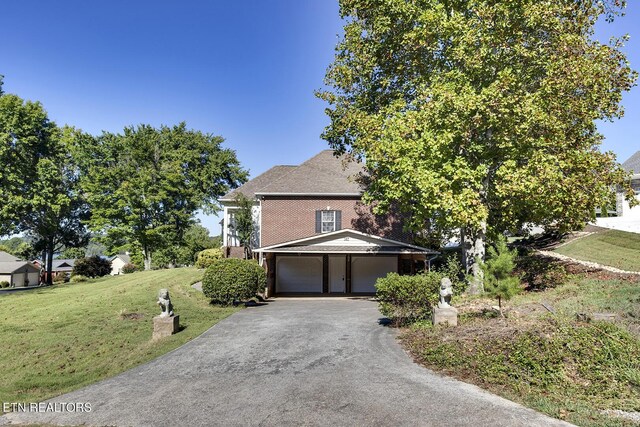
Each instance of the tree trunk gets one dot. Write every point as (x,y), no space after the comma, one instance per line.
(146,254)
(49,262)
(473,251)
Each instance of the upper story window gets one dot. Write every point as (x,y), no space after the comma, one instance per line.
(328,221)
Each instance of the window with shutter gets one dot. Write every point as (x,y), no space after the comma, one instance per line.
(328,221)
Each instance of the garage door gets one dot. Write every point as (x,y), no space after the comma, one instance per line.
(366,270)
(299,274)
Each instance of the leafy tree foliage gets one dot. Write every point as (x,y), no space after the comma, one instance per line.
(39,190)
(184,251)
(498,272)
(94,266)
(479,115)
(146,184)
(19,247)
(243,223)
(73,253)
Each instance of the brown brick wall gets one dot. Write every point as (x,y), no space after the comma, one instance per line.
(285,219)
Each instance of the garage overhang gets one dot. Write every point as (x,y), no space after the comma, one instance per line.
(346,241)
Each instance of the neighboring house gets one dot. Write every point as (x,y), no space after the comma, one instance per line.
(17,272)
(315,236)
(625,217)
(119,261)
(58,267)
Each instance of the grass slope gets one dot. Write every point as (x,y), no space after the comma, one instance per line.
(58,339)
(614,248)
(550,362)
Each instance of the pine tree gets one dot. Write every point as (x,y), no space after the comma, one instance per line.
(498,272)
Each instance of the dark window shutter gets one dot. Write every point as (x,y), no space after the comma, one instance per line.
(338,220)
(318,221)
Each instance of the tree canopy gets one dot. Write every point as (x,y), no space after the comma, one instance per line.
(479,115)
(146,184)
(38,181)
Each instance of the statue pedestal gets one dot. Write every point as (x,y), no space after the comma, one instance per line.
(445,315)
(165,326)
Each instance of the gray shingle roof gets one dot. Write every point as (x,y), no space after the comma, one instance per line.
(8,267)
(259,182)
(59,264)
(4,257)
(124,257)
(322,174)
(632,164)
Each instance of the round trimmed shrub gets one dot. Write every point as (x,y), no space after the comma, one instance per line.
(78,278)
(129,268)
(4,284)
(207,257)
(405,299)
(228,280)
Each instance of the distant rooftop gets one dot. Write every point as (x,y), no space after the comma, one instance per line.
(632,164)
(322,174)
(6,257)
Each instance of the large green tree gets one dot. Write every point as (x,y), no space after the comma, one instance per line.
(479,115)
(146,184)
(38,181)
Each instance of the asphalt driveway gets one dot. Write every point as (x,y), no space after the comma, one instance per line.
(291,362)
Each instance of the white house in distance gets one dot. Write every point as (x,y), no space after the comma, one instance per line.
(17,272)
(119,261)
(628,218)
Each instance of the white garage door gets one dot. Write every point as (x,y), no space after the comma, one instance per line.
(299,274)
(366,270)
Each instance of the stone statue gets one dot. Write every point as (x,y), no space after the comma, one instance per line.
(165,303)
(446,292)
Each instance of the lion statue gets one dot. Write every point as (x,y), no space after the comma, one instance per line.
(165,303)
(446,291)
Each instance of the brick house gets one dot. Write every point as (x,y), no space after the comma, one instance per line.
(313,233)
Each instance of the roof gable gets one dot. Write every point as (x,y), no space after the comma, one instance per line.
(63,263)
(323,174)
(123,257)
(346,240)
(9,267)
(250,188)
(632,164)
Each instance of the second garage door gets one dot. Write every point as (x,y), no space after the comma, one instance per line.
(299,274)
(365,270)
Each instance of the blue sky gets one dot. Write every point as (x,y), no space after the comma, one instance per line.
(242,69)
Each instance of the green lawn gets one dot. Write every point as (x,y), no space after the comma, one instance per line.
(58,339)
(614,248)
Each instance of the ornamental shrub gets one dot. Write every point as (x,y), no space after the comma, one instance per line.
(207,257)
(4,284)
(59,277)
(78,278)
(406,299)
(228,280)
(94,266)
(129,268)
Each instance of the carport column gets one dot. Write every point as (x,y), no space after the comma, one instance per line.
(325,274)
(348,276)
(271,273)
